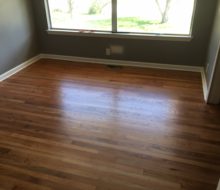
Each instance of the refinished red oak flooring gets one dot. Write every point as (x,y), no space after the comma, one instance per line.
(78,126)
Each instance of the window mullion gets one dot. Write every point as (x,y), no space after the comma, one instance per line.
(48,14)
(114,16)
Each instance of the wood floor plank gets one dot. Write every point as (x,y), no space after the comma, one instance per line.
(83,126)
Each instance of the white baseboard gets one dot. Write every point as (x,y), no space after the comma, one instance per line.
(15,70)
(110,62)
(205,85)
(123,63)
(218,188)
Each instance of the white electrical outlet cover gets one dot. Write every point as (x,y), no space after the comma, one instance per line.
(116,49)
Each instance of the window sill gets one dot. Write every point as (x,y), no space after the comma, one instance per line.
(159,37)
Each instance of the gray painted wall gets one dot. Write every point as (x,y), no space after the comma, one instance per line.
(213,46)
(181,53)
(17,33)
(214,94)
(213,61)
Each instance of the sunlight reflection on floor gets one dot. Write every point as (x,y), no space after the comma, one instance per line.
(105,105)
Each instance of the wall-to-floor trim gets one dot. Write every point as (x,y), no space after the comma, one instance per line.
(123,63)
(110,62)
(218,188)
(23,65)
(204,85)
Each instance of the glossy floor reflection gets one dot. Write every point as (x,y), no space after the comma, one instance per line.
(84,126)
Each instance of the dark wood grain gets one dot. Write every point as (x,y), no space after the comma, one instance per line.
(77,126)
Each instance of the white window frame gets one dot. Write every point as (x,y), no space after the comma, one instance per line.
(114,33)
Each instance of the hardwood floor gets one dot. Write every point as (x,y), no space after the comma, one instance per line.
(77,126)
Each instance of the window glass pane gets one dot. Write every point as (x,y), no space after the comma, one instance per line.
(81,14)
(155,16)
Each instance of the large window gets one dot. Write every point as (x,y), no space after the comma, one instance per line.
(165,17)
